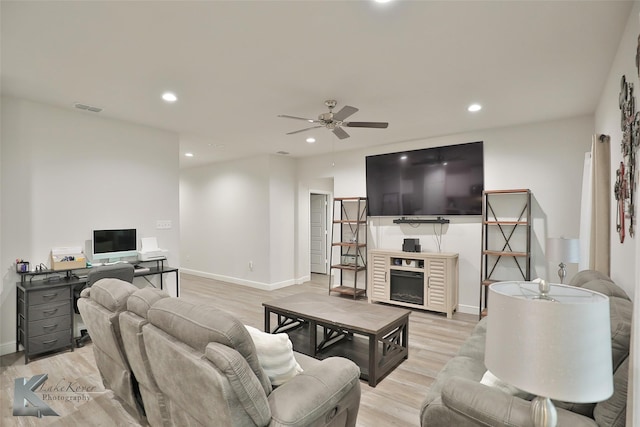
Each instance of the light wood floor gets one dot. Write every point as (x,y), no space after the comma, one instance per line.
(433,340)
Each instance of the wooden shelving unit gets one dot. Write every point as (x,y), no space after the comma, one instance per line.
(349,240)
(506,239)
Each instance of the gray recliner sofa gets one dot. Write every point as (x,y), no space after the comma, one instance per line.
(100,306)
(198,366)
(457,398)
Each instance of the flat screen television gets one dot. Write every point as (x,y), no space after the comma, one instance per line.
(434,181)
(114,244)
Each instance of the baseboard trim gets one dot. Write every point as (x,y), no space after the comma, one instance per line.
(7,348)
(468,309)
(243,282)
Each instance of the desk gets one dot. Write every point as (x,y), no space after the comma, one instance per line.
(44,307)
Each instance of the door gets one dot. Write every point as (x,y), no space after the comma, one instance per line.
(318,226)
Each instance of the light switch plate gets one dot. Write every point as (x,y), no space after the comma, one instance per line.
(163,224)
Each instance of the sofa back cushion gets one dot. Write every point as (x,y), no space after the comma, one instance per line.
(131,323)
(197,326)
(620,312)
(613,411)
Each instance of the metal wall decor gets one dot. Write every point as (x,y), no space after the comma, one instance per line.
(625,186)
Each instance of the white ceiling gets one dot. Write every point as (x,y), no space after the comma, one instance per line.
(236,65)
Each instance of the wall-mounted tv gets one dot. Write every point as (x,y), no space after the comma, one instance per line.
(113,244)
(434,181)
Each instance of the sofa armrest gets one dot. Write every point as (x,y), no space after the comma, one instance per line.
(492,407)
(314,397)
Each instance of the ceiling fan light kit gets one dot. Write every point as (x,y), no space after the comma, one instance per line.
(335,121)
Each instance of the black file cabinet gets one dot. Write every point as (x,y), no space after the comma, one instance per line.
(44,316)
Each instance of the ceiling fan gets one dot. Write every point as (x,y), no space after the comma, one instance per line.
(335,121)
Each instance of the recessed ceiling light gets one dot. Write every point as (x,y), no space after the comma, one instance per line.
(169,97)
(474,107)
(403,157)
(188,154)
(311,140)
(382,1)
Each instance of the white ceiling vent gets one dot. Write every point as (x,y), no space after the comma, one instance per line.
(87,107)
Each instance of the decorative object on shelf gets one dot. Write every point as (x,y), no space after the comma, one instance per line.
(625,186)
(532,343)
(564,251)
(22,266)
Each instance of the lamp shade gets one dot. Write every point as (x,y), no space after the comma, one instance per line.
(559,348)
(563,250)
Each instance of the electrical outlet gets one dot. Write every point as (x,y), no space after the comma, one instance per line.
(250,265)
(163,224)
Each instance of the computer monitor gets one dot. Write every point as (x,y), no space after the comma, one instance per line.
(114,244)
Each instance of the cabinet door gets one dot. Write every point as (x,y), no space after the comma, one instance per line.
(379,276)
(436,279)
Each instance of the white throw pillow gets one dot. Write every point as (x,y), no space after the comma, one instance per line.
(491,380)
(275,354)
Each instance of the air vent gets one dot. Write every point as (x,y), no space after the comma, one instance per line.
(87,107)
(284,153)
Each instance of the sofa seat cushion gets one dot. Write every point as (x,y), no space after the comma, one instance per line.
(275,354)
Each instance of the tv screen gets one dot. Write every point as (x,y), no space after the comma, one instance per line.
(114,243)
(431,181)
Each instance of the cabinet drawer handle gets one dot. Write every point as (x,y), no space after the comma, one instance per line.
(50,311)
(50,341)
(49,326)
(50,295)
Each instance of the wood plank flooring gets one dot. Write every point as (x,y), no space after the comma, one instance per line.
(433,340)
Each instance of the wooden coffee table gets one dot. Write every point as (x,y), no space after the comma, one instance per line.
(375,337)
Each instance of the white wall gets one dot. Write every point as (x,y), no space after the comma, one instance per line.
(625,268)
(624,256)
(67,172)
(238,221)
(544,157)
(282,204)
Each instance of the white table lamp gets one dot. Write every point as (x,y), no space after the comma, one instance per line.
(564,251)
(557,346)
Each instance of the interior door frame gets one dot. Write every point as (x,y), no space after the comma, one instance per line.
(329,216)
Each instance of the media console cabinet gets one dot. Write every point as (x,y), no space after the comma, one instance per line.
(422,280)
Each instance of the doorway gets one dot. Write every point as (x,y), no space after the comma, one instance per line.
(319,234)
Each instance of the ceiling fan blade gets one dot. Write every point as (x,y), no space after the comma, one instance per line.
(297,118)
(340,133)
(345,112)
(379,125)
(302,130)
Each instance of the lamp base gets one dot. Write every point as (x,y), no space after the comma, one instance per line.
(543,412)
(562,272)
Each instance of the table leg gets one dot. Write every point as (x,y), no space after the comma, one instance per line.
(313,340)
(373,360)
(267,320)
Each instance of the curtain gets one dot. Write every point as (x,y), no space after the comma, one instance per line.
(585,214)
(600,239)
